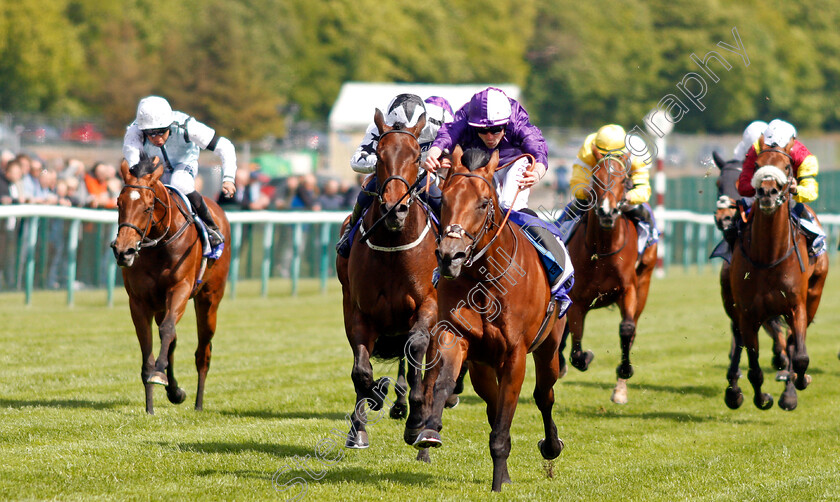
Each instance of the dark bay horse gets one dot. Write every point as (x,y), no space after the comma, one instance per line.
(608,267)
(389,301)
(492,301)
(772,275)
(160,253)
(726,218)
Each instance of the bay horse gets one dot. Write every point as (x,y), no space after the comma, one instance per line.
(726,218)
(160,253)
(608,267)
(493,299)
(772,275)
(389,300)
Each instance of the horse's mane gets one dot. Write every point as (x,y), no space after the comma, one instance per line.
(474,158)
(144,167)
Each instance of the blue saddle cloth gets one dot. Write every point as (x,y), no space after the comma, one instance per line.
(561,279)
(209,252)
(648,234)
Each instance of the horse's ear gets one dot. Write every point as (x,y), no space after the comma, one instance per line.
(761,144)
(418,127)
(493,164)
(124,167)
(456,156)
(158,172)
(718,160)
(379,120)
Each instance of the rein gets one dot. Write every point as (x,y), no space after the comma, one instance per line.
(145,240)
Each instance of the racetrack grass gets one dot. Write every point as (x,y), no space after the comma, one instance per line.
(72,423)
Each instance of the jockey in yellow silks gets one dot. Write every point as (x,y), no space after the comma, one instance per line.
(608,140)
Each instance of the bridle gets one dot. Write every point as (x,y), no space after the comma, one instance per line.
(411,193)
(145,241)
(788,170)
(457,231)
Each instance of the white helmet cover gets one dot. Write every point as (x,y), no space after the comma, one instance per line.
(751,135)
(153,112)
(779,133)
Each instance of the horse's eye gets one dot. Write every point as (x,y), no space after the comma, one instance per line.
(484,203)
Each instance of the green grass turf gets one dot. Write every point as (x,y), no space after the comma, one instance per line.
(73,426)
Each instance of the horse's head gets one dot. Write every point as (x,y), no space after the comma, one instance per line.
(468,209)
(772,177)
(727,191)
(606,190)
(398,159)
(136,205)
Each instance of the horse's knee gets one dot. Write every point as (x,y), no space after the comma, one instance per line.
(362,376)
(756,377)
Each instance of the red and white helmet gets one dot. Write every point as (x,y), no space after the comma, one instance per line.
(488,108)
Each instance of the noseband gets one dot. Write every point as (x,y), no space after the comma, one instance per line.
(145,242)
(457,231)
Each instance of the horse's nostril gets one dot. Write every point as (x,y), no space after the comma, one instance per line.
(402,208)
(460,255)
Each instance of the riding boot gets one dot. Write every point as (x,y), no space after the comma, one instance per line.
(638,213)
(432,198)
(342,247)
(206,216)
(568,221)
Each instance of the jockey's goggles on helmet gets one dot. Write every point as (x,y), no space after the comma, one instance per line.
(490,130)
(152,133)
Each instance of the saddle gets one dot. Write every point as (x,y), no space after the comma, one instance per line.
(201,227)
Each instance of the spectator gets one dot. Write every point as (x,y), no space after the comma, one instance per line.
(352,190)
(331,199)
(10,189)
(308,192)
(286,194)
(45,193)
(98,184)
(5,157)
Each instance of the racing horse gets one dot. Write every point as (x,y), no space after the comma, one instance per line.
(609,268)
(772,275)
(493,299)
(160,253)
(389,300)
(726,219)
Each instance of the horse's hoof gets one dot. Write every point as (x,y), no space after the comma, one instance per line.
(378,397)
(423,456)
(428,439)
(177,396)
(734,398)
(398,411)
(788,401)
(782,376)
(550,454)
(619,395)
(358,442)
(158,378)
(410,435)
(581,361)
(779,362)
(801,383)
(624,373)
(763,401)
(452,401)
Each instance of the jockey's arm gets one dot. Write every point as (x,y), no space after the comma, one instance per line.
(640,174)
(364,158)
(580,179)
(132,144)
(207,139)
(807,189)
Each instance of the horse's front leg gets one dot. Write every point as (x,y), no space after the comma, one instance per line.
(452,352)
(626,334)
(576,317)
(176,304)
(142,320)
(749,332)
(510,375)
(548,371)
(799,360)
(362,338)
(733,396)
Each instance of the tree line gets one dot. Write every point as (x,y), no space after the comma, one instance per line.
(242,65)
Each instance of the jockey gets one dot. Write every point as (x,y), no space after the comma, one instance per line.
(750,136)
(493,121)
(176,138)
(804,187)
(608,140)
(405,109)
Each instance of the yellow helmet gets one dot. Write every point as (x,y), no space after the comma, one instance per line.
(610,139)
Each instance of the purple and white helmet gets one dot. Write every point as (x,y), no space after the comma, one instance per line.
(438,110)
(490,107)
(405,109)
